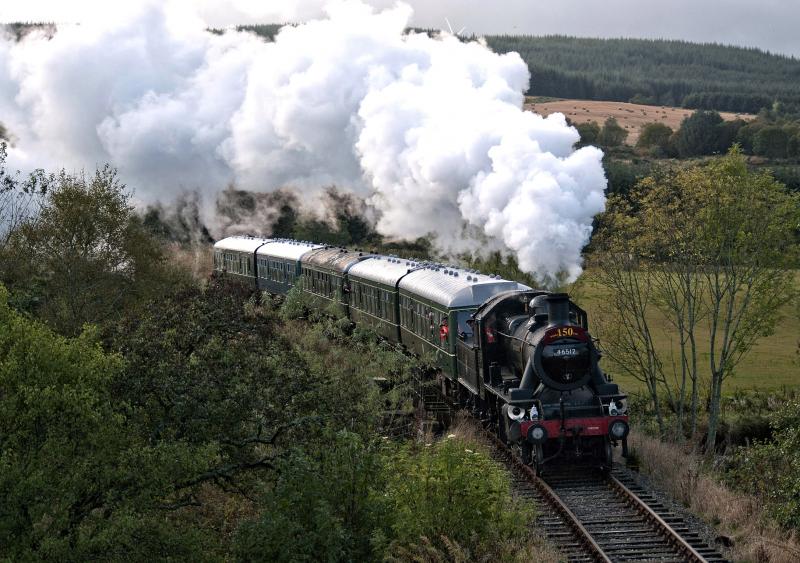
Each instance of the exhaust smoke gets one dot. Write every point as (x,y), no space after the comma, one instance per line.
(428,130)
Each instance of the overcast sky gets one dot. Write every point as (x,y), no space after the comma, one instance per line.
(768,24)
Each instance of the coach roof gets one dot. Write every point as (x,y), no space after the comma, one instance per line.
(287,249)
(240,243)
(383,269)
(455,287)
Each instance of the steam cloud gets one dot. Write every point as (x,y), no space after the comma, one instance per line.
(430,131)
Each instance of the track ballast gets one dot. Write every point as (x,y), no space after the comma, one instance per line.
(590,516)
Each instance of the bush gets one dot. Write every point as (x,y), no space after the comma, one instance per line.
(453,489)
(771,469)
(612,134)
(324,506)
(698,134)
(589,132)
(77,482)
(771,141)
(654,135)
(296,304)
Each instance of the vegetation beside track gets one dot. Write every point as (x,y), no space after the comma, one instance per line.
(195,420)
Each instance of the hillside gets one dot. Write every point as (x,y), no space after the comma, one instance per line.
(645,71)
(658,72)
(630,116)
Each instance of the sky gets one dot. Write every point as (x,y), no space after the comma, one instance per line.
(767,24)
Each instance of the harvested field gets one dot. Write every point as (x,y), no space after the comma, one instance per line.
(631,116)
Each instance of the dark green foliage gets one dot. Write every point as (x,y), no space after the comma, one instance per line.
(771,469)
(358,500)
(202,370)
(325,505)
(450,489)
(77,483)
(771,141)
(85,256)
(788,175)
(267,30)
(671,73)
(654,135)
(589,132)
(623,175)
(698,134)
(612,134)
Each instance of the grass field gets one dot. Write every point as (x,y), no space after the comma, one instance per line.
(630,116)
(773,362)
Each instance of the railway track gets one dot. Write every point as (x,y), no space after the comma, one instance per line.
(589,516)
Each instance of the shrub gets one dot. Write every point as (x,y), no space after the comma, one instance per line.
(654,135)
(612,134)
(589,132)
(771,470)
(451,488)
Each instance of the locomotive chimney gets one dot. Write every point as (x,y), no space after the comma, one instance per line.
(558,308)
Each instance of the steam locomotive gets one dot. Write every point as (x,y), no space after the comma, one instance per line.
(521,359)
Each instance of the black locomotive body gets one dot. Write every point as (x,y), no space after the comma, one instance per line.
(542,381)
(521,359)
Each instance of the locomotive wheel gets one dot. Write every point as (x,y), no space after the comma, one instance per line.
(538,459)
(501,429)
(608,456)
(527,453)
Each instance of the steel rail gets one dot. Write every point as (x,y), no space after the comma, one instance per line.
(584,537)
(666,530)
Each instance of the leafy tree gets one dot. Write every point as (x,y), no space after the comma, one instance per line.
(713,248)
(20,200)
(612,134)
(654,135)
(589,132)
(771,141)
(793,146)
(698,134)
(86,256)
(727,133)
(76,482)
(223,379)
(325,505)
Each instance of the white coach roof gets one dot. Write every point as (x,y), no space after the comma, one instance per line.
(383,269)
(287,249)
(456,287)
(240,243)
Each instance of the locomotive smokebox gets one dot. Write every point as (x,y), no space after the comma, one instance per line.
(558,309)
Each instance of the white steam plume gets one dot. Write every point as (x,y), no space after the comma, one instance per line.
(429,130)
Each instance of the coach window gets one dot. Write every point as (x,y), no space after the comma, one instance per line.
(465,328)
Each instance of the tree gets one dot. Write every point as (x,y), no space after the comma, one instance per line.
(589,132)
(793,146)
(20,199)
(712,248)
(612,134)
(77,483)
(771,141)
(698,134)
(85,255)
(654,135)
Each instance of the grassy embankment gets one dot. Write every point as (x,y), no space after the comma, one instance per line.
(772,364)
